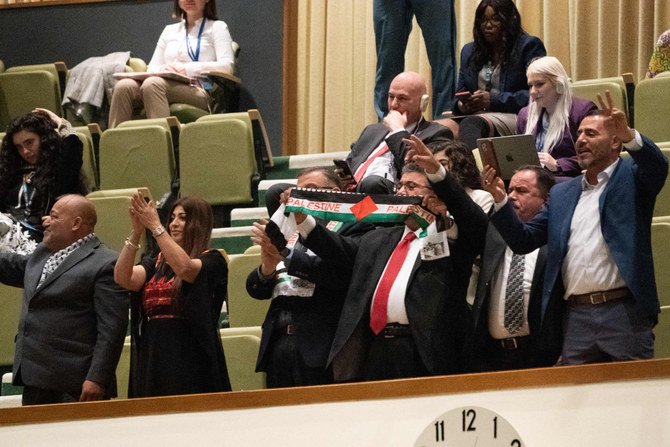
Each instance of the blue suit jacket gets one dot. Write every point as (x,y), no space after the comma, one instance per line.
(626,208)
(513,82)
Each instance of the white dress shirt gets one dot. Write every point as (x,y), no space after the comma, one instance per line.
(384,165)
(498,290)
(216,48)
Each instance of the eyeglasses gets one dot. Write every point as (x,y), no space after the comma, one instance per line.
(495,21)
(410,186)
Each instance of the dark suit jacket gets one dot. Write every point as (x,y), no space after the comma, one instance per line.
(545,342)
(626,208)
(513,82)
(316,317)
(374,134)
(72,326)
(564,152)
(435,298)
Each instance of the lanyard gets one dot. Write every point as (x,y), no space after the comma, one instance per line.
(194,56)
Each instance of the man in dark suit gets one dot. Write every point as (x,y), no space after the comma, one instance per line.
(506,309)
(410,322)
(597,227)
(377,157)
(307,296)
(74,317)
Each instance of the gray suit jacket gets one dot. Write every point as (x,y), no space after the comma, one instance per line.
(73,325)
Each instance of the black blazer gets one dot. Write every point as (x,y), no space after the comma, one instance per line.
(73,325)
(374,134)
(435,298)
(545,342)
(316,317)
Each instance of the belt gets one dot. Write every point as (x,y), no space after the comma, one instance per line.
(289,329)
(513,342)
(600,297)
(395,330)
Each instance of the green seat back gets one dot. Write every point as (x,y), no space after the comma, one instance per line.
(22,92)
(234,240)
(123,371)
(662,207)
(88,162)
(241,353)
(241,217)
(660,243)
(113,221)
(217,161)
(11,300)
(652,107)
(244,310)
(589,89)
(51,68)
(662,333)
(134,157)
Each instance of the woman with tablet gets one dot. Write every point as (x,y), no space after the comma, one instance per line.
(553,116)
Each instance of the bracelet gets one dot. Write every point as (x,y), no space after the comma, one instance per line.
(129,243)
(160,229)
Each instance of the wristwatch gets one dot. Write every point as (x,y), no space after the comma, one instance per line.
(160,229)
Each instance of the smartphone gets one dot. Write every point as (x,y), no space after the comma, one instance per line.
(463,96)
(345,170)
(144,192)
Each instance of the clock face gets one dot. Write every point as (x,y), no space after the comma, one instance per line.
(469,427)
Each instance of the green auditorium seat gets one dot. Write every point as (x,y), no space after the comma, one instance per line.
(241,217)
(662,207)
(171,124)
(57,69)
(218,165)
(589,89)
(135,157)
(652,107)
(22,92)
(123,371)
(662,334)
(241,352)
(264,185)
(660,243)
(243,310)
(89,165)
(113,219)
(232,239)
(289,167)
(11,300)
(10,390)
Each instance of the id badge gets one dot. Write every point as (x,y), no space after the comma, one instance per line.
(434,246)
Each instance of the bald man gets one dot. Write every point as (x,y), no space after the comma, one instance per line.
(74,316)
(377,157)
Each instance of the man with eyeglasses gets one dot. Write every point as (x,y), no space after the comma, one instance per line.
(377,157)
(405,313)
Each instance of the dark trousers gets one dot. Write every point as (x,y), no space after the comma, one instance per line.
(393,358)
(286,367)
(39,396)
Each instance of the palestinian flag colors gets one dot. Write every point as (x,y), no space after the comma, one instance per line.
(357,207)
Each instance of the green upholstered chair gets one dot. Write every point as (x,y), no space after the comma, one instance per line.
(241,352)
(478,158)
(22,92)
(2,66)
(123,371)
(11,300)
(57,69)
(10,390)
(171,124)
(662,333)
(627,84)
(234,239)
(662,207)
(652,107)
(660,243)
(589,89)
(113,220)
(244,310)
(242,217)
(89,165)
(134,157)
(217,162)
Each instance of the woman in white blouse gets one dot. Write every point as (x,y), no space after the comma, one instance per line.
(199,42)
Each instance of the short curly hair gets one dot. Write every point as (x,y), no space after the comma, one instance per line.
(461,162)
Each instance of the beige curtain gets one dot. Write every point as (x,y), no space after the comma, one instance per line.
(330,56)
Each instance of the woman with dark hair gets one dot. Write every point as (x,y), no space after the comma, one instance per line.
(199,42)
(40,160)
(456,158)
(176,343)
(492,85)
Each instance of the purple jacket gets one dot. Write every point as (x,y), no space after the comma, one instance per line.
(564,152)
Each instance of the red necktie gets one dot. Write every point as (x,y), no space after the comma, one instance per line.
(381,298)
(360,172)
